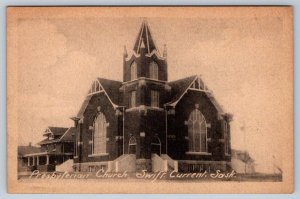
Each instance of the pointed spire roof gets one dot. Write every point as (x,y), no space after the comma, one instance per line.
(144,39)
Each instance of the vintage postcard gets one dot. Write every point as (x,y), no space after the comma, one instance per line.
(150,99)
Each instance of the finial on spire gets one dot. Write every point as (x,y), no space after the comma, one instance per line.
(165,51)
(125,52)
(145,20)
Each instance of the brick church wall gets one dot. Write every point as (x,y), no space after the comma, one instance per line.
(178,145)
(90,113)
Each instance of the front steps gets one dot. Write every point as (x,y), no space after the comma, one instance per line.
(130,164)
(172,164)
(126,162)
(65,166)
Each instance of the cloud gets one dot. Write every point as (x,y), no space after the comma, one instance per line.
(40,46)
(55,103)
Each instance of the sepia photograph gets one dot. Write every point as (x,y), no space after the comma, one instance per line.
(150,99)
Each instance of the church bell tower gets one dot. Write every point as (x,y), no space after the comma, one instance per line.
(145,91)
(145,70)
(145,60)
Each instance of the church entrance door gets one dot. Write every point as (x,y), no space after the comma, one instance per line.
(156,145)
(132,145)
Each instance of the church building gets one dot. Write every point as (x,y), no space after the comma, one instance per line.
(146,122)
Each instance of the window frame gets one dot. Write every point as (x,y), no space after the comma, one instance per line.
(100,151)
(133,71)
(132,99)
(201,121)
(154,97)
(132,142)
(153,70)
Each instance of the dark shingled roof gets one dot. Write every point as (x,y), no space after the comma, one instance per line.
(84,105)
(179,87)
(66,136)
(48,141)
(111,87)
(57,130)
(23,150)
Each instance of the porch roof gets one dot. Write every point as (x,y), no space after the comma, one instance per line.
(45,153)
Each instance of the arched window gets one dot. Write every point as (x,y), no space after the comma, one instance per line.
(156,145)
(153,70)
(132,145)
(133,71)
(99,136)
(197,132)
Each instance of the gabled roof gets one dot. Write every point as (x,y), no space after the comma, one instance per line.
(57,130)
(66,136)
(180,87)
(144,39)
(23,150)
(48,141)
(84,105)
(111,87)
(111,90)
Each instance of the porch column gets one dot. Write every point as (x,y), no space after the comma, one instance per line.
(28,163)
(37,160)
(47,159)
(34,162)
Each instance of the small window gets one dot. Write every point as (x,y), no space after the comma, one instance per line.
(133,71)
(153,70)
(154,98)
(132,99)
(132,145)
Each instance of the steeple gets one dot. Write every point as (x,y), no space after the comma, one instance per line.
(144,40)
(145,61)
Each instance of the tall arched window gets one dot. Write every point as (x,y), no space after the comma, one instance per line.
(133,71)
(197,132)
(99,137)
(153,70)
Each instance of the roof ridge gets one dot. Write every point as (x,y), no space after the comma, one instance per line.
(57,127)
(101,78)
(192,76)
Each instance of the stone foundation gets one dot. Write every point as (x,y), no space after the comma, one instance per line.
(201,166)
(143,164)
(90,166)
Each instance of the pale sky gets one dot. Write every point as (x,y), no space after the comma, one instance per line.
(240,59)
